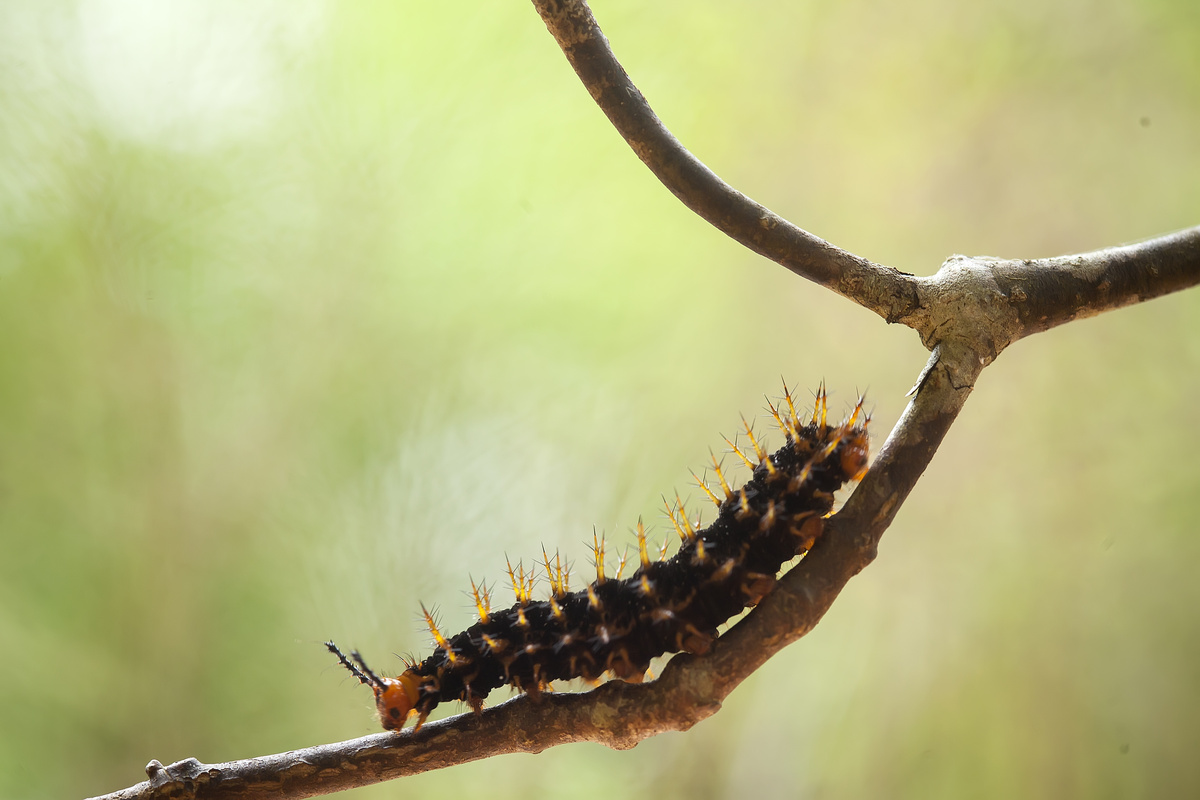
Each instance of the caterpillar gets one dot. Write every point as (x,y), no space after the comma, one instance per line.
(618,625)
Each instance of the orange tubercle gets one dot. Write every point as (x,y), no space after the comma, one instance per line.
(856,455)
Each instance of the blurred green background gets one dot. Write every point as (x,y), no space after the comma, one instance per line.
(308,311)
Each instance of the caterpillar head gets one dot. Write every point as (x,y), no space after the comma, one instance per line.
(394,697)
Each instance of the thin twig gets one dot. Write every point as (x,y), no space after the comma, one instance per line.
(886,291)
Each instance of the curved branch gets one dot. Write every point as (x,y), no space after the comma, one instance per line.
(888,292)
(617,714)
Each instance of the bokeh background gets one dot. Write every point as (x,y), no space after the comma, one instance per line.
(310,310)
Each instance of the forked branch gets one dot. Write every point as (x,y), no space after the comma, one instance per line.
(966,314)
(992,302)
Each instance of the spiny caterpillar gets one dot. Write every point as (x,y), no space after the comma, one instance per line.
(667,605)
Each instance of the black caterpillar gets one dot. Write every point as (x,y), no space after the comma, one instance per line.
(668,605)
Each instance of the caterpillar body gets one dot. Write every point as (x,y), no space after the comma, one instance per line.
(618,625)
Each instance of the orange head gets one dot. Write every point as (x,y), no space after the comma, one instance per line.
(394,697)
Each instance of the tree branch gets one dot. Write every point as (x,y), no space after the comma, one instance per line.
(992,302)
(616,714)
(1050,291)
(888,292)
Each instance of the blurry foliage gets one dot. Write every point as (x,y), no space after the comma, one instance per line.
(311,310)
